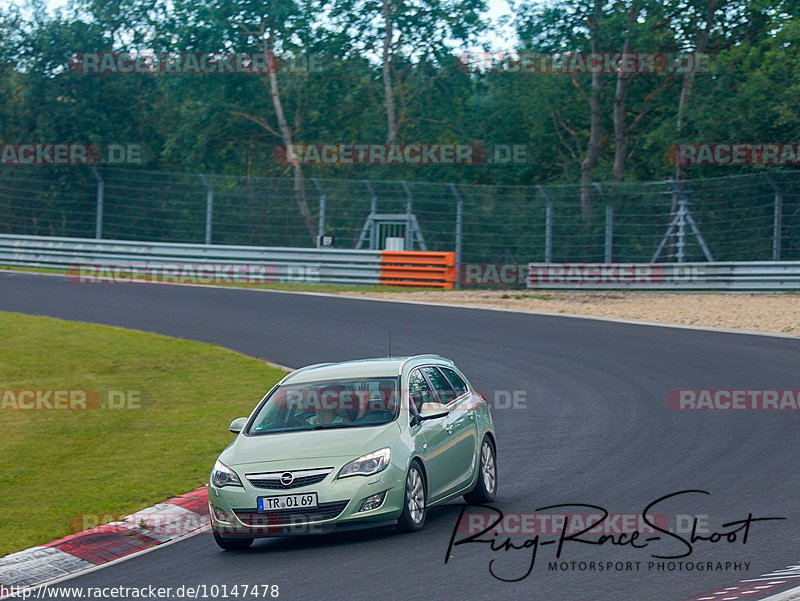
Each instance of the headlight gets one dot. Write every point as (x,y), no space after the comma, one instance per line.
(367,465)
(222,475)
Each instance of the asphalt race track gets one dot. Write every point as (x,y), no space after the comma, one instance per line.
(596,430)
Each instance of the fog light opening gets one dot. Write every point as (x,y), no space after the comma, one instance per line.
(373,502)
(220,515)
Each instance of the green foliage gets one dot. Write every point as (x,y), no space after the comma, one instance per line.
(226,124)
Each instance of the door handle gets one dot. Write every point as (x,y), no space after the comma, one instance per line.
(449,428)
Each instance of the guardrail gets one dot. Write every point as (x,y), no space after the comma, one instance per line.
(734,276)
(412,268)
(125,260)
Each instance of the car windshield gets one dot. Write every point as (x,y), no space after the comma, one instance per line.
(330,404)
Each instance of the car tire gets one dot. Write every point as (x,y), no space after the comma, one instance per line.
(414,502)
(486,487)
(232,544)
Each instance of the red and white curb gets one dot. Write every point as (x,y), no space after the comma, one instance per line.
(756,588)
(188,513)
(75,553)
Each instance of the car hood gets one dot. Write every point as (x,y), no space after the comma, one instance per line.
(343,442)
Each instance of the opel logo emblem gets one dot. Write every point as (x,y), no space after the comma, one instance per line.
(287,478)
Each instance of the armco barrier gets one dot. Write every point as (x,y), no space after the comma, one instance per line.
(303,265)
(738,276)
(413,268)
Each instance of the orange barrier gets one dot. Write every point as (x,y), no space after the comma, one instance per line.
(418,268)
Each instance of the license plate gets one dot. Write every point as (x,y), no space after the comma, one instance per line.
(303,501)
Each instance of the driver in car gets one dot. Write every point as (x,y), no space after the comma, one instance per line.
(331,408)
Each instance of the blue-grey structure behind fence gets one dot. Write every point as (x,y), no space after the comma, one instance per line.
(738,218)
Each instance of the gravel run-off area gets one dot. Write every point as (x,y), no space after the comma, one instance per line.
(764,312)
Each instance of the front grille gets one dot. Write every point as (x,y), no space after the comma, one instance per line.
(288,517)
(275,483)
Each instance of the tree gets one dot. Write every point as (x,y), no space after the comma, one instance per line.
(278,29)
(403,34)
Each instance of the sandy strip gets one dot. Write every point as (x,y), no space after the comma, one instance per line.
(765,312)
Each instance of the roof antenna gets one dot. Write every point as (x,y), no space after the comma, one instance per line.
(390,342)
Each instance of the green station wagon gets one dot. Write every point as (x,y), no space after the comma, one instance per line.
(360,443)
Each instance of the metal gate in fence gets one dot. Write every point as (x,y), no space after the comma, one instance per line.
(737,218)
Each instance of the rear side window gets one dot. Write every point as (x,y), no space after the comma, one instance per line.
(455,380)
(440,384)
(418,389)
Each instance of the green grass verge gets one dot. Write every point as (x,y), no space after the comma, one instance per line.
(32,269)
(59,464)
(287,286)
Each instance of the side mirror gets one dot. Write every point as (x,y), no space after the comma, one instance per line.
(238,425)
(433,411)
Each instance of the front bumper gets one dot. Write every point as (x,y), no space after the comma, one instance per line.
(234,509)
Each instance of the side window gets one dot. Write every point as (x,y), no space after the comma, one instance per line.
(440,384)
(458,384)
(418,389)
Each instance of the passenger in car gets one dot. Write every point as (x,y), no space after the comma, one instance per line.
(372,406)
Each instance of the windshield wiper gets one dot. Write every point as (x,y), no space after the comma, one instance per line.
(279,430)
(331,426)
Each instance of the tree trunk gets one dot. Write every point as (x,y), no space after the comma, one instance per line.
(687,84)
(286,137)
(388,92)
(620,133)
(595,122)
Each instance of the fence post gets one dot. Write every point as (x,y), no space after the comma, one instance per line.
(370,227)
(101,189)
(777,219)
(776,227)
(459,231)
(548,226)
(685,216)
(609,225)
(373,210)
(678,222)
(680,245)
(322,210)
(209,207)
(408,243)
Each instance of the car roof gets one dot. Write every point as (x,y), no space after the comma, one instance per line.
(360,368)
